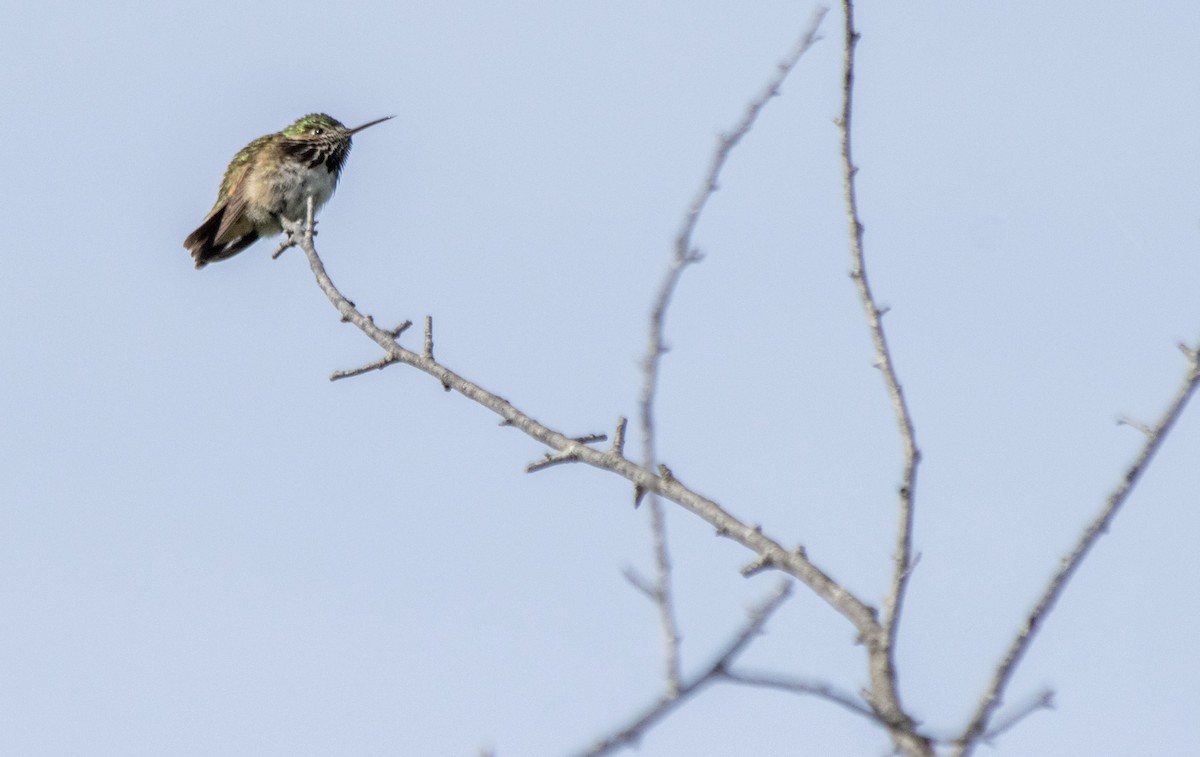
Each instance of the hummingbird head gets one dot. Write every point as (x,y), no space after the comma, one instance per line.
(318,139)
(318,126)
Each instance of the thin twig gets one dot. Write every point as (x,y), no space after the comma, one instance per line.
(1069,564)
(639,582)
(378,365)
(802,687)
(758,617)
(1133,423)
(550,461)
(566,456)
(618,445)
(663,597)
(683,255)
(1043,701)
(401,328)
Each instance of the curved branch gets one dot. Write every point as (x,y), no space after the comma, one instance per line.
(885,695)
(795,562)
(685,254)
(802,687)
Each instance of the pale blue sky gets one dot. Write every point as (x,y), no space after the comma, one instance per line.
(208,549)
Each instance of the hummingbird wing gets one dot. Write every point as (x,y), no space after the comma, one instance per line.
(233,220)
(226,231)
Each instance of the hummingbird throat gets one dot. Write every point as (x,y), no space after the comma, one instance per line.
(288,190)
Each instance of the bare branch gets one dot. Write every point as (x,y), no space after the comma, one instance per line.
(792,562)
(684,254)
(1043,701)
(802,687)
(566,456)
(396,332)
(758,617)
(1154,438)
(618,445)
(663,596)
(763,563)
(883,355)
(378,365)
(640,582)
(551,460)
(885,695)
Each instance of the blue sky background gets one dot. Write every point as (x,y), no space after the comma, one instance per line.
(207,548)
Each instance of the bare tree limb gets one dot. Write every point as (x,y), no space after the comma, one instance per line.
(685,254)
(878,636)
(794,562)
(803,687)
(631,733)
(1155,435)
(663,597)
(885,694)
(883,355)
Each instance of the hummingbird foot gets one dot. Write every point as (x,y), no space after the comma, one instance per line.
(295,231)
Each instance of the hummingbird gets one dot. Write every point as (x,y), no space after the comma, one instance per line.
(271,179)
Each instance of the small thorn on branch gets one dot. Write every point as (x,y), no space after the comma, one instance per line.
(1133,423)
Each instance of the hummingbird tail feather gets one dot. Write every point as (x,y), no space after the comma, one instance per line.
(205,248)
